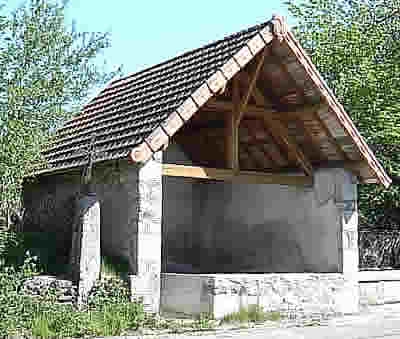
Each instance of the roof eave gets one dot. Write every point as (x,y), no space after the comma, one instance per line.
(343,118)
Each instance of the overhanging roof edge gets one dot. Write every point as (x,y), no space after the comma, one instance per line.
(338,109)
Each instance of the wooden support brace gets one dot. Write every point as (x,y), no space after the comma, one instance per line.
(279,131)
(251,86)
(233,121)
(256,93)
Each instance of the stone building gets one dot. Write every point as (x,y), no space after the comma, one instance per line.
(226,176)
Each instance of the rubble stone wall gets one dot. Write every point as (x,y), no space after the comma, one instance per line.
(293,295)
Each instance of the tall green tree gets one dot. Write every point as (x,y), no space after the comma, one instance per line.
(47,70)
(355,44)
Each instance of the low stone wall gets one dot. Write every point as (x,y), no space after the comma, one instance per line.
(294,295)
(379,287)
(41,285)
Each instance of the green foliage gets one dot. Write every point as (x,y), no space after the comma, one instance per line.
(112,266)
(109,310)
(355,45)
(253,313)
(41,245)
(43,317)
(203,322)
(47,70)
(109,290)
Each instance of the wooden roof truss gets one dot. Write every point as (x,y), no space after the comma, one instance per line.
(266,116)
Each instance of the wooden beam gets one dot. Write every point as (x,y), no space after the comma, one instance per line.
(328,133)
(297,118)
(279,131)
(232,130)
(232,143)
(257,111)
(230,175)
(259,98)
(227,107)
(251,86)
(267,155)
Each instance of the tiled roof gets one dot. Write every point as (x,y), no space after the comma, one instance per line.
(137,115)
(129,109)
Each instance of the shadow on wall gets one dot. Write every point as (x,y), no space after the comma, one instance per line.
(260,248)
(235,247)
(50,218)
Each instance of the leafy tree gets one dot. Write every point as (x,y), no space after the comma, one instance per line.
(47,70)
(356,46)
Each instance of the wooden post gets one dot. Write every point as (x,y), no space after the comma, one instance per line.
(232,130)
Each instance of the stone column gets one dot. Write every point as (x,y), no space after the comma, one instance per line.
(339,185)
(346,202)
(85,253)
(145,284)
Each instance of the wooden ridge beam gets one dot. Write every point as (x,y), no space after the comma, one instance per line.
(221,174)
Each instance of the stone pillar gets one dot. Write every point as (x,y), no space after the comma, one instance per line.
(85,253)
(346,202)
(145,284)
(339,185)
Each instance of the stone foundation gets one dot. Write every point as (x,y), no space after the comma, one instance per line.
(379,287)
(298,295)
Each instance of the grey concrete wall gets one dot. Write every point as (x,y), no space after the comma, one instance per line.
(268,228)
(180,212)
(49,204)
(219,227)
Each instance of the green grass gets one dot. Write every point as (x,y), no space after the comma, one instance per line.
(111,320)
(253,313)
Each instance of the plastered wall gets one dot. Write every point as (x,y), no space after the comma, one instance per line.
(220,227)
(211,227)
(49,206)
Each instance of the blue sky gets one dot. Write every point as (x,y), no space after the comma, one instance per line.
(144,33)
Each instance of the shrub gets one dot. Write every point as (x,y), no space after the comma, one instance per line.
(113,266)
(109,311)
(253,313)
(43,245)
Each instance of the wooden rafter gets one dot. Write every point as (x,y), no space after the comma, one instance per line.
(275,128)
(239,105)
(297,118)
(279,131)
(262,149)
(231,175)
(328,133)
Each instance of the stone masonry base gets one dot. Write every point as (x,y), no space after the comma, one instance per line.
(379,287)
(299,295)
